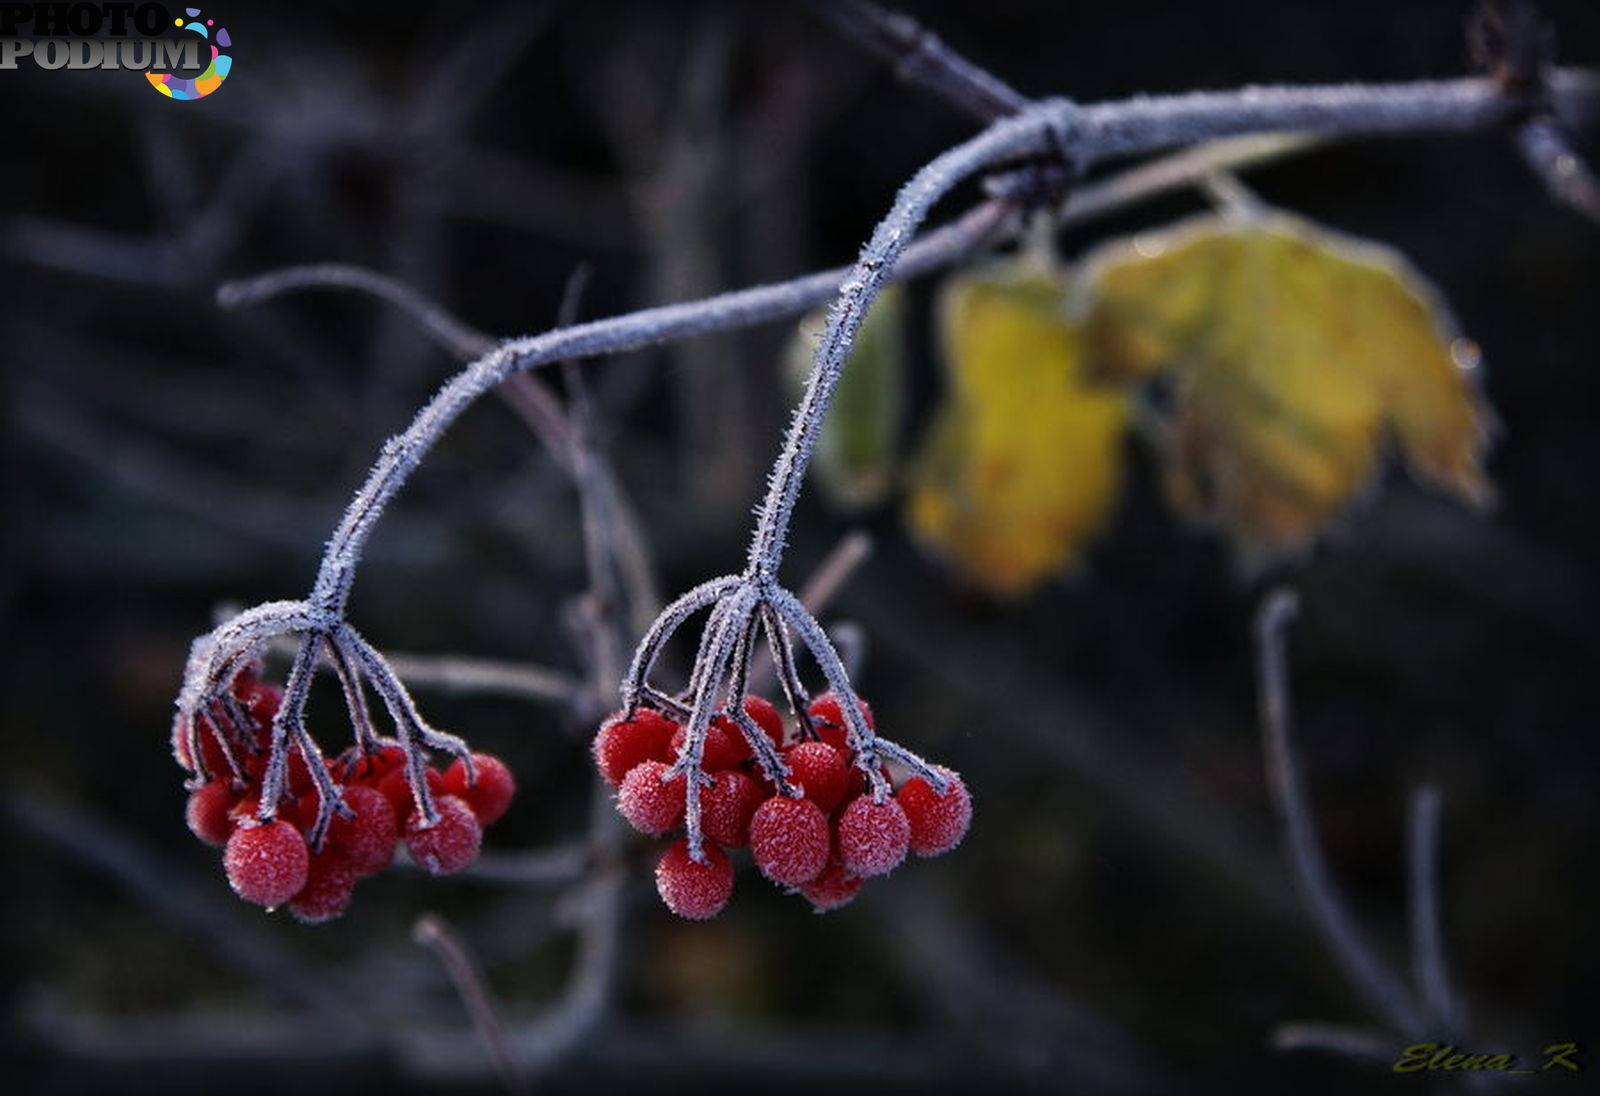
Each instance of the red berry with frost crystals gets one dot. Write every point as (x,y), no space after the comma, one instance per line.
(298,777)
(267,864)
(694,890)
(366,841)
(835,887)
(330,885)
(726,807)
(820,771)
(652,805)
(760,709)
(725,746)
(370,768)
(207,812)
(261,701)
(451,843)
(938,823)
(623,743)
(789,840)
(873,837)
(490,796)
(397,789)
(829,720)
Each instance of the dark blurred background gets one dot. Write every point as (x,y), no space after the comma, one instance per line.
(1120,918)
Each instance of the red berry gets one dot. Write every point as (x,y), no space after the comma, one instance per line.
(207,812)
(266,864)
(835,887)
(330,884)
(938,823)
(820,771)
(396,787)
(651,804)
(623,743)
(789,840)
(873,837)
(211,753)
(726,807)
(725,745)
(366,841)
(451,843)
(261,701)
(298,778)
(694,890)
(360,767)
(829,720)
(766,716)
(491,795)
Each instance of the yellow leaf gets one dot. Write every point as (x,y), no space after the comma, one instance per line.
(1022,462)
(854,462)
(1297,356)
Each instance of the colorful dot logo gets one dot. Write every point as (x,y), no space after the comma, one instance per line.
(175,87)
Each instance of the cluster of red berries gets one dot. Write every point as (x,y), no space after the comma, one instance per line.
(822,843)
(281,861)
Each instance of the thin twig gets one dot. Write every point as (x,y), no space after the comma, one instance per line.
(1362,1044)
(209,915)
(460,674)
(435,934)
(920,58)
(1429,968)
(1378,986)
(1547,150)
(819,590)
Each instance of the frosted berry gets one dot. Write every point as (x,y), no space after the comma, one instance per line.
(261,701)
(820,771)
(397,788)
(829,720)
(766,717)
(938,823)
(360,767)
(623,743)
(451,843)
(652,805)
(726,807)
(724,748)
(207,812)
(835,887)
(266,864)
(694,890)
(366,841)
(873,837)
(330,885)
(789,840)
(491,795)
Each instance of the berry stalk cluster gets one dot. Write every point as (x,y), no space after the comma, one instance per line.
(815,820)
(304,845)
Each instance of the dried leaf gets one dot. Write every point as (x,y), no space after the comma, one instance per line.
(1297,356)
(855,458)
(1022,463)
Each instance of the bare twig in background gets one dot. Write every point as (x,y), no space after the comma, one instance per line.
(460,674)
(1363,1044)
(920,58)
(439,325)
(435,934)
(1383,992)
(818,591)
(1430,971)
(536,867)
(219,922)
(1549,152)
